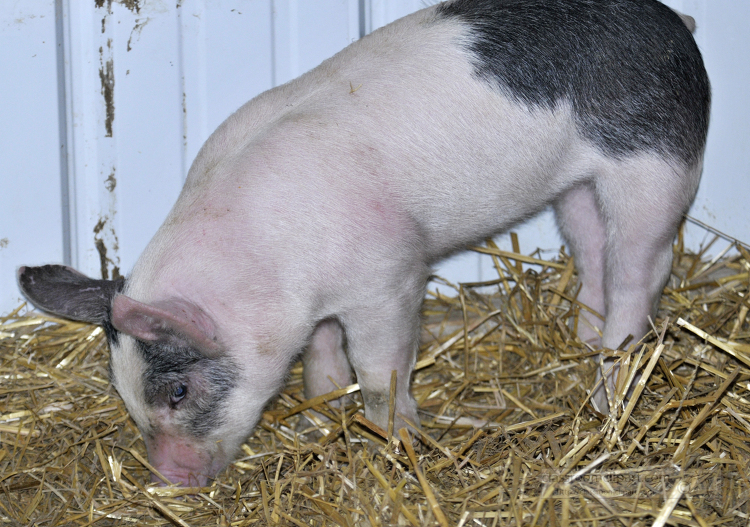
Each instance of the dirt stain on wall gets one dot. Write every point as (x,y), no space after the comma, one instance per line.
(106,69)
(136,31)
(107,78)
(104,260)
(132,5)
(105,238)
(110,183)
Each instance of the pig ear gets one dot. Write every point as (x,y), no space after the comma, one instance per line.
(65,292)
(175,322)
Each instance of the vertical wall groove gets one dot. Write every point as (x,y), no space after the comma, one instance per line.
(183,85)
(273,43)
(62,112)
(362,19)
(70,17)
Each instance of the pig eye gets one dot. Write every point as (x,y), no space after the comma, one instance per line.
(178,393)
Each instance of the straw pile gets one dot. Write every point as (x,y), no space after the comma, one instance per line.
(508,437)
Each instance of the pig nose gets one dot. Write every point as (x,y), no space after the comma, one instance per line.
(178,460)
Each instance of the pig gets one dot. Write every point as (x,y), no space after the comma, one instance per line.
(311,218)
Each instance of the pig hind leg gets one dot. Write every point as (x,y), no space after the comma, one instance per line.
(581,225)
(643,201)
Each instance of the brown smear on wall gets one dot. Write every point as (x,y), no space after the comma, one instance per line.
(107,77)
(106,68)
(104,259)
(132,5)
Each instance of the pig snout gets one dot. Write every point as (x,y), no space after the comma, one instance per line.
(182,463)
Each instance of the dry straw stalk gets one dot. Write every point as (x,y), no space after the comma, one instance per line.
(507,436)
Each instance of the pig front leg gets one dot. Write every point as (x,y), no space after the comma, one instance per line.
(325,365)
(381,338)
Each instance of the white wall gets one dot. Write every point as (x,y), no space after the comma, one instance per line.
(30,150)
(80,184)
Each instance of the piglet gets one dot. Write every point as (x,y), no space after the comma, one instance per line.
(311,217)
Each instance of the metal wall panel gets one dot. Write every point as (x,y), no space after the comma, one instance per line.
(30,191)
(377,13)
(106,102)
(305,33)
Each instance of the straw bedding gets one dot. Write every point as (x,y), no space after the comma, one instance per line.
(508,436)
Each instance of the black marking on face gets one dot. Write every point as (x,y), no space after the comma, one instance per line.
(207,382)
(630,69)
(113,339)
(113,336)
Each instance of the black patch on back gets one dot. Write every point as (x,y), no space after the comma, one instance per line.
(630,68)
(167,366)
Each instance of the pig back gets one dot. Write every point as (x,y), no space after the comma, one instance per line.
(445,127)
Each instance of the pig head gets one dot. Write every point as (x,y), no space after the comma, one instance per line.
(169,365)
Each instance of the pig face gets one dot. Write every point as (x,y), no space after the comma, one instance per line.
(167,363)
